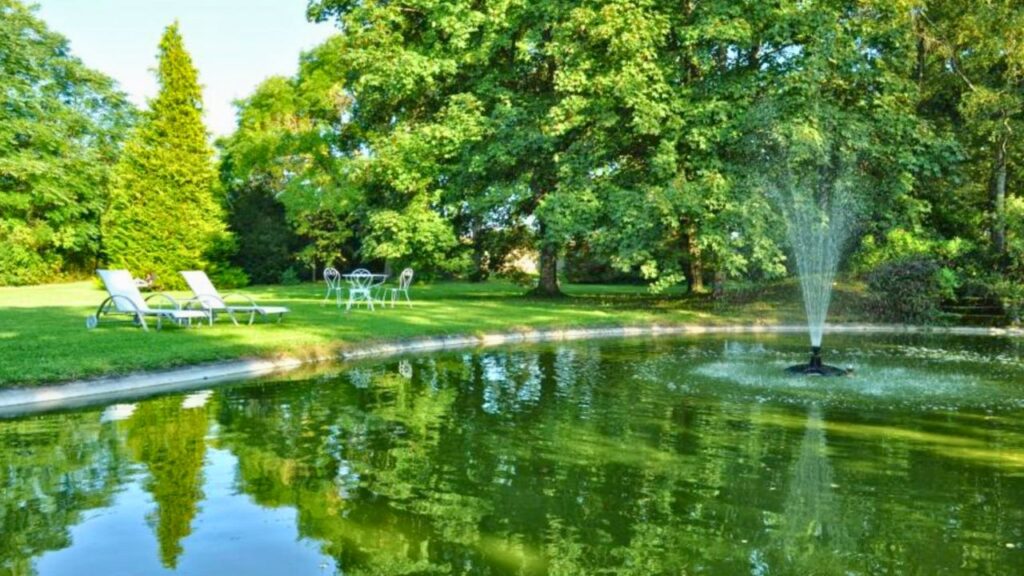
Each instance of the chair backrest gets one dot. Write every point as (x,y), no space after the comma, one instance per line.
(201,286)
(332,277)
(121,287)
(360,278)
(405,279)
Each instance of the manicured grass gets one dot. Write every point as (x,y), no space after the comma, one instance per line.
(43,336)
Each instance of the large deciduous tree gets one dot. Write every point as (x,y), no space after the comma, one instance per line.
(292,143)
(60,129)
(438,130)
(970,62)
(452,104)
(164,215)
(617,125)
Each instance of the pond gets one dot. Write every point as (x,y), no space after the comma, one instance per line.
(676,456)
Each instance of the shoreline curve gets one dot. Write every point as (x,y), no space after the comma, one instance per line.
(22,401)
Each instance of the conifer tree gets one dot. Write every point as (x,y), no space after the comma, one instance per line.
(163,215)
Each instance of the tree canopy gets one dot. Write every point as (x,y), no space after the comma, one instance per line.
(621,139)
(61,125)
(617,128)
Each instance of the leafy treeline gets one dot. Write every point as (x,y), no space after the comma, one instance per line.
(625,137)
(60,128)
(86,181)
(449,134)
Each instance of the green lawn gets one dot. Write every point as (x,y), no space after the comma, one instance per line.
(43,336)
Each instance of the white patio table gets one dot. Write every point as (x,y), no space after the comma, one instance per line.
(362,284)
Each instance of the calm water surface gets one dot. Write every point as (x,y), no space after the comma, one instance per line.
(674,456)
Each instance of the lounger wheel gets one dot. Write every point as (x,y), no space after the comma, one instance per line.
(91,321)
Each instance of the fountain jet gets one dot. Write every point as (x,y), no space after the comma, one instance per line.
(819,208)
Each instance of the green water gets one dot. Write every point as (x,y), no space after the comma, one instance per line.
(673,456)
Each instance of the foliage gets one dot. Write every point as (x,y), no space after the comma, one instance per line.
(163,215)
(1010,284)
(619,125)
(1015,239)
(450,134)
(900,244)
(266,242)
(291,142)
(415,237)
(582,265)
(970,64)
(909,290)
(290,277)
(60,129)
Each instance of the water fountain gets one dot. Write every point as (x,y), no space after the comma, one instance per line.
(815,193)
(818,222)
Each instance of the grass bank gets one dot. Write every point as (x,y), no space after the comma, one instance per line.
(43,338)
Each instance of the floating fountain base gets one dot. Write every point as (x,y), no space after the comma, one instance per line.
(816,368)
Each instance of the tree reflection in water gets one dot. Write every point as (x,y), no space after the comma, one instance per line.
(170,441)
(562,460)
(51,472)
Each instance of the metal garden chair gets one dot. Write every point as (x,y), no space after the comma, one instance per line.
(404,280)
(333,279)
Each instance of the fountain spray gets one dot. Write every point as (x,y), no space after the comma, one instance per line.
(815,193)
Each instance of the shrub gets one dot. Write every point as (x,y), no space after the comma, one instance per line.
(909,290)
(228,277)
(290,277)
(266,242)
(899,244)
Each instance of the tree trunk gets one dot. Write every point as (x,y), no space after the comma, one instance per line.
(696,276)
(719,285)
(997,197)
(922,49)
(480,261)
(541,182)
(694,266)
(547,285)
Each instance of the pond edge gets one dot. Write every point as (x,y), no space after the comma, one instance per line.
(76,392)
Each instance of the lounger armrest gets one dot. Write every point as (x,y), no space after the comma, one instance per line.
(164,296)
(209,301)
(115,298)
(243,296)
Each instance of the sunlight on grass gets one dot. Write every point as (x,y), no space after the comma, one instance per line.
(45,339)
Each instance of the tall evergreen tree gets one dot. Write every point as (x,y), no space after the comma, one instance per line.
(163,215)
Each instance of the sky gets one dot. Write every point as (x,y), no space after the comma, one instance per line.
(235,44)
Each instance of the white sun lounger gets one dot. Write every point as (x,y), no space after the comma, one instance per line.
(207,297)
(126,299)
